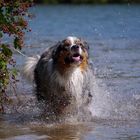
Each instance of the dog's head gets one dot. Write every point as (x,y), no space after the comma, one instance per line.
(71,52)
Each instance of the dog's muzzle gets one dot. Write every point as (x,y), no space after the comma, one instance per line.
(75,48)
(76,55)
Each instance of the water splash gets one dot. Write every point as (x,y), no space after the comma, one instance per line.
(115,84)
(107,105)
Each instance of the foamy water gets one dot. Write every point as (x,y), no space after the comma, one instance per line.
(104,105)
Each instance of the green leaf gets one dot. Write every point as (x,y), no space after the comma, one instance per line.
(2,64)
(17,43)
(14,72)
(6,50)
(1,35)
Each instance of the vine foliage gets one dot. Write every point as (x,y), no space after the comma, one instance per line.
(13,24)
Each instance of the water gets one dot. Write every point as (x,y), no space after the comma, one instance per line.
(113,34)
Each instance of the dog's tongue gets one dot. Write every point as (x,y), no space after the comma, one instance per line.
(76,58)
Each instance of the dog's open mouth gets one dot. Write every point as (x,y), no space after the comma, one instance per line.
(77,57)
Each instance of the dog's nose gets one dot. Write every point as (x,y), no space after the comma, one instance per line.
(75,47)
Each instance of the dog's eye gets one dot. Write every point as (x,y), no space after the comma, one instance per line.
(65,48)
(82,46)
(85,47)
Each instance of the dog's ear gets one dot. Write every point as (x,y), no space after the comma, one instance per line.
(85,47)
(84,44)
(56,50)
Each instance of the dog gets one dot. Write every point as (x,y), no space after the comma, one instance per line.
(62,75)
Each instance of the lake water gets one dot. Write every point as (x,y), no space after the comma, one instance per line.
(113,33)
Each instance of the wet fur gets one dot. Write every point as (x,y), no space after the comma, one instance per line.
(64,88)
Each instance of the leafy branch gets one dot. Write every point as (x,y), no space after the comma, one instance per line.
(13,23)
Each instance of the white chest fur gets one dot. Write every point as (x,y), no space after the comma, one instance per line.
(73,83)
(76,84)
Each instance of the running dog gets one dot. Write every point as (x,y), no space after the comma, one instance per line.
(62,75)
